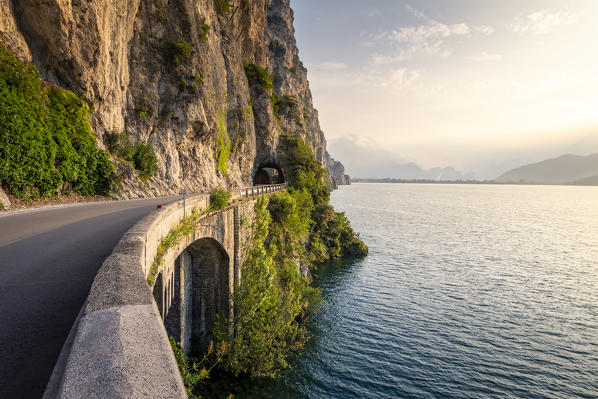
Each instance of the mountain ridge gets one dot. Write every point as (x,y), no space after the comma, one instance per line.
(565,169)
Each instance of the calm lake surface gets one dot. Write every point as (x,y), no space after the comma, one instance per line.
(469,291)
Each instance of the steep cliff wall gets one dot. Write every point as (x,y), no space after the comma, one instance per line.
(337,172)
(170,73)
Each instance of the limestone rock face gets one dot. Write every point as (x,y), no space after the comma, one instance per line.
(170,73)
(337,172)
(4,200)
(10,34)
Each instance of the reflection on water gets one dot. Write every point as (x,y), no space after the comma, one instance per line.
(468,292)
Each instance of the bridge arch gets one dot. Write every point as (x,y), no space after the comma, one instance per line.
(199,290)
(268,173)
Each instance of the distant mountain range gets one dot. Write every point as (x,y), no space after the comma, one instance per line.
(413,171)
(367,160)
(363,157)
(566,169)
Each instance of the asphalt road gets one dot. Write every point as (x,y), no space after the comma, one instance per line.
(48,260)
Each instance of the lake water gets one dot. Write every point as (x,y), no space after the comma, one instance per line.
(469,291)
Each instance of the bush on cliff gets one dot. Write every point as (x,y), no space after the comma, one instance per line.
(142,156)
(45,137)
(219,198)
(258,75)
(331,235)
(178,51)
(222,7)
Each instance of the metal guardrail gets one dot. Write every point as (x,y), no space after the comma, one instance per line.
(254,191)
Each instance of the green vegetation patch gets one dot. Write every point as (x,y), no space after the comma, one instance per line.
(142,156)
(45,138)
(219,198)
(194,370)
(204,29)
(258,75)
(223,142)
(272,295)
(287,101)
(274,100)
(222,7)
(177,51)
(331,235)
(143,111)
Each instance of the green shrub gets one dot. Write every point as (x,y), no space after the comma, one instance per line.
(258,75)
(145,161)
(222,6)
(143,111)
(204,29)
(118,144)
(287,101)
(219,198)
(142,156)
(274,100)
(45,137)
(190,373)
(281,207)
(282,103)
(178,51)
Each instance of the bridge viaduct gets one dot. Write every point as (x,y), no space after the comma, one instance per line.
(156,284)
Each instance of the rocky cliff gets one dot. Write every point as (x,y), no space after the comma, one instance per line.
(337,171)
(171,73)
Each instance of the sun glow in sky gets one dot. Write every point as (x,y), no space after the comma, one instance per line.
(461,83)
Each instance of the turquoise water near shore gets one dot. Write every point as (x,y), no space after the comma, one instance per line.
(469,291)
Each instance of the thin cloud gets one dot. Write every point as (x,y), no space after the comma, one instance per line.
(427,39)
(484,29)
(434,49)
(425,33)
(395,80)
(399,79)
(367,43)
(543,22)
(415,12)
(485,56)
(331,66)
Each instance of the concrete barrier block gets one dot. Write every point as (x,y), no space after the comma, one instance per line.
(122,352)
(119,282)
(132,244)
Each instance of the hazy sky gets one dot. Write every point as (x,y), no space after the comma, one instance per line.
(461,83)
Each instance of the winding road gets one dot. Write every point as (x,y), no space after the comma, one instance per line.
(48,261)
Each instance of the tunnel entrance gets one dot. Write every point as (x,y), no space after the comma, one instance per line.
(198,292)
(269,174)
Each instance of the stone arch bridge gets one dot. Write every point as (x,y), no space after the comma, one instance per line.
(119,346)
